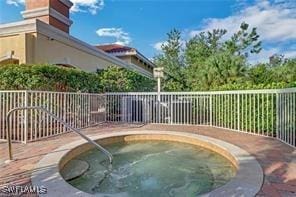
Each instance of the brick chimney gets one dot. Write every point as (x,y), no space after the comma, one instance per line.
(52,12)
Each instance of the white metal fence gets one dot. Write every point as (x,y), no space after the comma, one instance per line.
(262,112)
(78,109)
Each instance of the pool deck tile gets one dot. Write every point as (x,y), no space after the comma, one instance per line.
(277,159)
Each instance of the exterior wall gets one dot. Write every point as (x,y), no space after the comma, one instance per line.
(36,48)
(141,68)
(14,43)
(60,7)
(58,24)
(56,4)
(55,52)
(34,41)
(54,22)
(126,58)
(44,19)
(30,47)
(135,61)
(52,12)
(33,4)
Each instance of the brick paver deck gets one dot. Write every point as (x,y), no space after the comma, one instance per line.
(277,159)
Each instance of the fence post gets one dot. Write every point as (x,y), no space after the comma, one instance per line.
(106,106)
(88,122)
(171,109)
(211,110)
(26,118)
(238,112)
(277,115)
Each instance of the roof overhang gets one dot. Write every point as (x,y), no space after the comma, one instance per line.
(141,70)
(10,29)
(134,53)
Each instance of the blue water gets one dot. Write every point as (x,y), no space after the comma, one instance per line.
(154,168)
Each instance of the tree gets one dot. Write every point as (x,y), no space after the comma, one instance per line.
(207,60)
(284,71)
(173,62)
(244,42)
(276,60)
(260,74)
(226,68)
(210,61)
(213,61)
(277,71)
(199,49)
(116,79)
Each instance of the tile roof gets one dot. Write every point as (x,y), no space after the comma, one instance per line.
(115,48)
(120,50)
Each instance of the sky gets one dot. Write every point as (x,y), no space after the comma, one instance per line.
(143,24)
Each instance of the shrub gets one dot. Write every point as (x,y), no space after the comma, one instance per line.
(115,79)
(47,77)
(251,86)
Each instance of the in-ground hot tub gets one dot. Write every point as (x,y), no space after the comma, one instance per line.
(150,163)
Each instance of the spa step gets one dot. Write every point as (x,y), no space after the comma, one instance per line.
(74,169)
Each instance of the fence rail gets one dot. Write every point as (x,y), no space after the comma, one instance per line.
(79,110)
(261,112)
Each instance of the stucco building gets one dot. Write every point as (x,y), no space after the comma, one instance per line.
(43,37)
(129,55)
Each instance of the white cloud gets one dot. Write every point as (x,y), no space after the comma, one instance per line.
(264,55)
(91,6)
(121,37)
(15,2)
(274,21)
(290,54)
(158,45)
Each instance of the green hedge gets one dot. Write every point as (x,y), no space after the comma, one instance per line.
(115,79)
(256,113)
(250,86)
(47,77)
(56,78)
